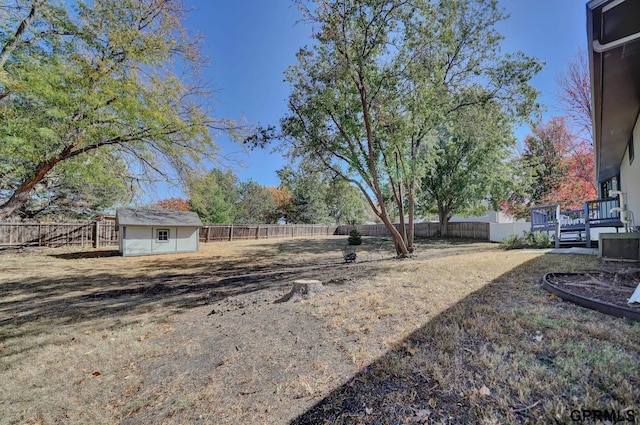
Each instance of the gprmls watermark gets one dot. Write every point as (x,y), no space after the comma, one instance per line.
(613,416)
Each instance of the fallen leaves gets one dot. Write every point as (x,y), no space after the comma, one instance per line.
(421,416)
(484,391)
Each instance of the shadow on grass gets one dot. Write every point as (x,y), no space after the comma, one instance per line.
(375,248)
(174,285)
(281,254)
(107,294)
(103,253)
(303,246)
(163,286)
(370,244)
(508,353)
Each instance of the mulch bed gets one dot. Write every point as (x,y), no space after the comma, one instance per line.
(614,285)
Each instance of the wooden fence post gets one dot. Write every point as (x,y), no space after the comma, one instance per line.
(231,232)
(257,231)
(96,239)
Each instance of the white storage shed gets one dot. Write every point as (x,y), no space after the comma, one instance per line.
(147,232)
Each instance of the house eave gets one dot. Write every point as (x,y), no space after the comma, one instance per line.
(614,61)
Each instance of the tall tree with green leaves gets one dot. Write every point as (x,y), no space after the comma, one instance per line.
(469,167)
(382,77)
(345,203)
(308,188)
(114,78)
(255,204)
(213,196)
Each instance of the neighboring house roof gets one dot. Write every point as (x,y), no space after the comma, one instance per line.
(103,217)
(613,30)
(133,217)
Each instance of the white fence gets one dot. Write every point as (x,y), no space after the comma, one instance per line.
(500,231)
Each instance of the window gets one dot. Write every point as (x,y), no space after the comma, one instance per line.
(163,235)
(607,186)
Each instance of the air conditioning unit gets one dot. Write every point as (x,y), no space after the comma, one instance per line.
(619,246)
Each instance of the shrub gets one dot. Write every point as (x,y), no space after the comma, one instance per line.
(528,240)
(355,238)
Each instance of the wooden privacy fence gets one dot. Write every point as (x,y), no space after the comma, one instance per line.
(229,232)
(94,233)
(470,230)
(103,233)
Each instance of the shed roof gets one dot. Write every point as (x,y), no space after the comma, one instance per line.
(133,217)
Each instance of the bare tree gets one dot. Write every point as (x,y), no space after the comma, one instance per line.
(575,94)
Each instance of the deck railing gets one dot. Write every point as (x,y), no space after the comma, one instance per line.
(572,219)
(596,213)
(544,218)
(600,215)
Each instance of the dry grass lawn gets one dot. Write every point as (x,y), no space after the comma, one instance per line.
(460,334)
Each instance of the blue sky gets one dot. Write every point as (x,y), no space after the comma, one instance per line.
(250,43)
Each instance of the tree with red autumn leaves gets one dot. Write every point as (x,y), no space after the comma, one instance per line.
(557,165)
(568,179)
(173,204)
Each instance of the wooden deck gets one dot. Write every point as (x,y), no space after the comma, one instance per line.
(574,226)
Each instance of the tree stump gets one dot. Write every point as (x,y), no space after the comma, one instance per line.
(304,288)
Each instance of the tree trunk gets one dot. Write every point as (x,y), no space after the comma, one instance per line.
(443,217)
(23,192)
(398,241)
(411,208)
(444,227)
(379,209)
(402,229)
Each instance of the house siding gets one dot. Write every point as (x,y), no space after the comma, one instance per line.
(630,176)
